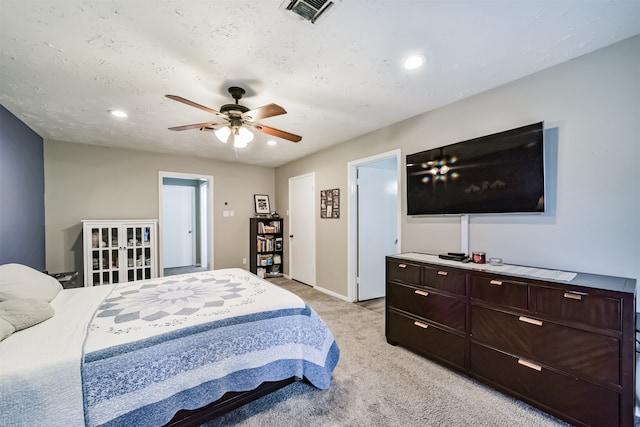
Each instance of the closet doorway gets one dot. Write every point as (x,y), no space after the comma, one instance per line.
(374,222)
(185,223)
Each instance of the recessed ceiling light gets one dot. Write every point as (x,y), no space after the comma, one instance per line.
(118,113)
(413,62)
(271,142)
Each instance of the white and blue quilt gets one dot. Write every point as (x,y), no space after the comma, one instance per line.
(157,346)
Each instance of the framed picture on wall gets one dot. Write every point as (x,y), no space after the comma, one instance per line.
(262,204)
(330,203)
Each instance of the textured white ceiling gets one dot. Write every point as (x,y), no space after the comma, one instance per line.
(64,64)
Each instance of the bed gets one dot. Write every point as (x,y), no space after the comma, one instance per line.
(141,352)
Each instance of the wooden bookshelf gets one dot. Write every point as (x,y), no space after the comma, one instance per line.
(266,247)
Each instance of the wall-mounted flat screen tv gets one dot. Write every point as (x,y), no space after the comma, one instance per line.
(498,173)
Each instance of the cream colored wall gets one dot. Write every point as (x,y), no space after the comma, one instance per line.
(330,167)
(90,182)
(590,106)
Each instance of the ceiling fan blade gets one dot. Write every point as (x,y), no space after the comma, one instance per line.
(195,126)
(275,132)
(263,112)
(193,104)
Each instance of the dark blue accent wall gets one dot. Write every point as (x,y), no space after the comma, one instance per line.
(22,234)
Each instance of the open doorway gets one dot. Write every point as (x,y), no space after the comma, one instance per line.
(185,223)
(374,222)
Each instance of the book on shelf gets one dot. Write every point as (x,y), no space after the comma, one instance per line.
(267,228)
(265,244)
(264,260)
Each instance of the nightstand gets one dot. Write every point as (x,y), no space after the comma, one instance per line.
(68,280)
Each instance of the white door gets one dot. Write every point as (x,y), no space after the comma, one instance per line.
(302,229)
(178,224)
(377,224)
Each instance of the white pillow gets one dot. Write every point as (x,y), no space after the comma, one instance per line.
(20,281)
(6,329)
(23,313)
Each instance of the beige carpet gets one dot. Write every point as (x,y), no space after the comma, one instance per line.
(376,384)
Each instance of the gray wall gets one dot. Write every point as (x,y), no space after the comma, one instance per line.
(22,227)
(91,182)
(591,110)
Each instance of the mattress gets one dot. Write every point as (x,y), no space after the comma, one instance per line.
(138,352)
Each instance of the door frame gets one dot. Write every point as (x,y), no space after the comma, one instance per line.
(312,176)
(352,220)
(208,230)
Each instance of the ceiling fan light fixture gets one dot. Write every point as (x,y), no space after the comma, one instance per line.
(239,144)
(223,133)
(241,137)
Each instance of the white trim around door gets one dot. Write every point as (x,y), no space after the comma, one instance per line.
(207,226)
(352,209)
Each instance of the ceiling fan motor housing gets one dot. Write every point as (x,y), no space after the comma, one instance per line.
(235,110)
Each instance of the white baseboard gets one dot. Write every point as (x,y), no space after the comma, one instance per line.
(333,294)
(325,291)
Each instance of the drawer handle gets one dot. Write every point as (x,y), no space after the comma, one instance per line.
(496,282)
(530,365)
(420,324)
(402,265)
(442,273)
(423,293)
(530,321)
(573,296)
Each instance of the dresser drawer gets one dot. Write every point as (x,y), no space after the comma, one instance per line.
(579,352)
(583,401)
(448,280)
(425,339)
(403,271)
(499,291)
(429,305)
(596,311)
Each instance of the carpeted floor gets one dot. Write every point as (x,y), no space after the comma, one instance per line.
(183,270)
(376,384)
(376,305)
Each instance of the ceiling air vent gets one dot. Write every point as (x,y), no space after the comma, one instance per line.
(308,10)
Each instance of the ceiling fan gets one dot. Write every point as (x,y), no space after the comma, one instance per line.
(235,120)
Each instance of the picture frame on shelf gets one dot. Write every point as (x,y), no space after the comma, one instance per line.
(262,204)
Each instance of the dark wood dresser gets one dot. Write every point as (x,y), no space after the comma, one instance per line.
(566,347)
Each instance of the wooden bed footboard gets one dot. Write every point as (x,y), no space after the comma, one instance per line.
(227,403)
